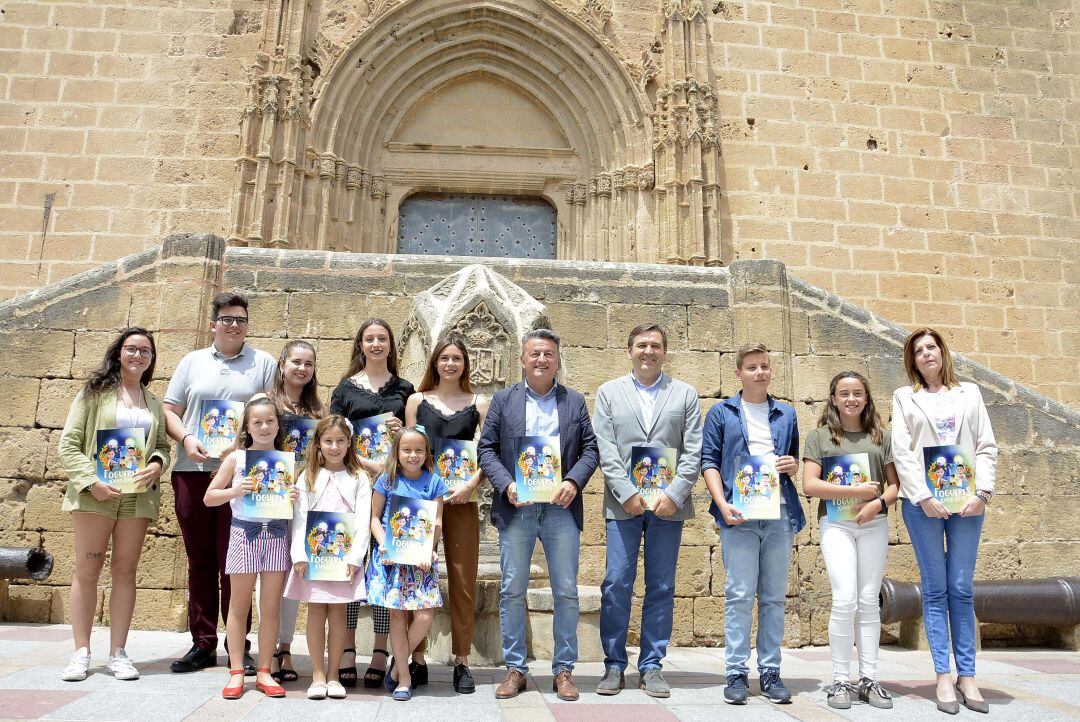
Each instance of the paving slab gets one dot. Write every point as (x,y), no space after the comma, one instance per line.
(1020,684)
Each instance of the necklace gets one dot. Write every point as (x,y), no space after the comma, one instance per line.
(129,402)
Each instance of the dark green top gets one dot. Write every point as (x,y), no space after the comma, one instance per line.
(819,444)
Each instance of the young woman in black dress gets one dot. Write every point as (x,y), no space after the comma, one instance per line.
(370,387)
(447,408)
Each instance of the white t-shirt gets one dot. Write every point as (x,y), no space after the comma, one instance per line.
(945,408)
(758,433)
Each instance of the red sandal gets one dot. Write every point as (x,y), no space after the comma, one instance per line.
(270,690)
(231,692)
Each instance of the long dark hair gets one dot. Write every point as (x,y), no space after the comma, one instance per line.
(243,438)
(431,373)
(869,418)
(358,361)
(106,377)
(310,404)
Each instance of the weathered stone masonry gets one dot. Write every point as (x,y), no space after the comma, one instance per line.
(52,338)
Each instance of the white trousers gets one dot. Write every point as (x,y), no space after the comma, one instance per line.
(855,560)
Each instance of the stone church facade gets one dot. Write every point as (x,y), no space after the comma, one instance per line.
(914,157)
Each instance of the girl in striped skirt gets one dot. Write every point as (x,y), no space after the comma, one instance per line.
(257,549)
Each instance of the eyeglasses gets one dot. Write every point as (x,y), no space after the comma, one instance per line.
(232,320)
(137,351)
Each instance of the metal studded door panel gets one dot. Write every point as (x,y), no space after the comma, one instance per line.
(476,225)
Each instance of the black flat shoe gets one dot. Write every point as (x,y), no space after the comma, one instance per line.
(196,658)
(463,680)
(250,670)
(419,673)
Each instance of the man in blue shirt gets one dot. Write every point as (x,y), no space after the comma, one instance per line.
(538,406)
(756,552)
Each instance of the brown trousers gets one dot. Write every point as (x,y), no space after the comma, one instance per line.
(461,547)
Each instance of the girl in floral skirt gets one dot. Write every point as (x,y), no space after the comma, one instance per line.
(410,592)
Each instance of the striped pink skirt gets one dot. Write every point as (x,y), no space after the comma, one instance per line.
(265,552)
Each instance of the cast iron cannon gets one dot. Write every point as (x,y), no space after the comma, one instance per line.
(19,563)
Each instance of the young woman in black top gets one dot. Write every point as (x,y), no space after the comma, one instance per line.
(370,387)
(296,392)
(447,408)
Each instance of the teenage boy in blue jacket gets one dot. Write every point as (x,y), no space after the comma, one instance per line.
(756,553)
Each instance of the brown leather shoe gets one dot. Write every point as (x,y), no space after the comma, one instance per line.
(512,686)
(564,685)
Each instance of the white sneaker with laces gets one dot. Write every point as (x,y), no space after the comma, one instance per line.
(120,665)
(77,667)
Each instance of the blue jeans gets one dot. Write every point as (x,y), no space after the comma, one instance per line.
(757,555)
(946,550)
(558,532)
(662,538)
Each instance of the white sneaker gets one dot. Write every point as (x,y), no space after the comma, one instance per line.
(335,690)
(76,669)
(120,665)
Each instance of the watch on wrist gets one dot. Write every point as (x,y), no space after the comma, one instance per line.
(884,506)
(984,495)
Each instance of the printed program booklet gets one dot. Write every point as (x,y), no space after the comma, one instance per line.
(121,453)
(410,536)
(327,541)
(219,423)
(950,475)
(373,439)
(272,475)
(539,468)
(844,470)
(652,468)
(455,461)
(756,488)
(299,434)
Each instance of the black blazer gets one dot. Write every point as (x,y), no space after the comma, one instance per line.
(497,448)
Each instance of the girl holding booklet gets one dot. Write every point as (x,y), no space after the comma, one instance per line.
(296,392)
(332,482)
(938,410)
(853,452)
(446,407)
(114,399)
(371,387)
(406,588)
(257,549)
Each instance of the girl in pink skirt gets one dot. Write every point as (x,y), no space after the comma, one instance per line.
(330,533)
(257,549)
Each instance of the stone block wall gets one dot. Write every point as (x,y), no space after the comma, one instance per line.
(55,338)
(913,156)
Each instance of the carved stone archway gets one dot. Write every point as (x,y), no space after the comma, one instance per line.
(633,171)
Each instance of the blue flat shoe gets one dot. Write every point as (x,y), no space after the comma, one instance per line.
(388,680)
(402,695)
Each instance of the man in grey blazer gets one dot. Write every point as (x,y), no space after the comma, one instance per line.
(648,429)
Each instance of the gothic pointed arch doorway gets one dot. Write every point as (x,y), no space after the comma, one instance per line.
(358,108)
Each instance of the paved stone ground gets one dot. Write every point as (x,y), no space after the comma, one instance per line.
(1032,684)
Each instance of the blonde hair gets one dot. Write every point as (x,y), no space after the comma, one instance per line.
(390,467)
(948,372)
(315,460)
(748,349)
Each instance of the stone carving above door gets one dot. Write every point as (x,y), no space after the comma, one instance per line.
(490,312)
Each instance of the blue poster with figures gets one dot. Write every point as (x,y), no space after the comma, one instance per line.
(652,468)
(455,461)
(326,542)
(373,438)
(120,455)
(755,491)
(410,536)
(844,470)
(219,425)
(539,468)
(272,476)
(950,475)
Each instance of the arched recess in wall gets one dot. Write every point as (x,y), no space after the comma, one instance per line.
(540,66)
(331,137)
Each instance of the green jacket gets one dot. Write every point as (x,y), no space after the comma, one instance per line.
(77,452)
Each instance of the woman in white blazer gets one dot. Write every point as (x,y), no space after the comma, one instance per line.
(936,410)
